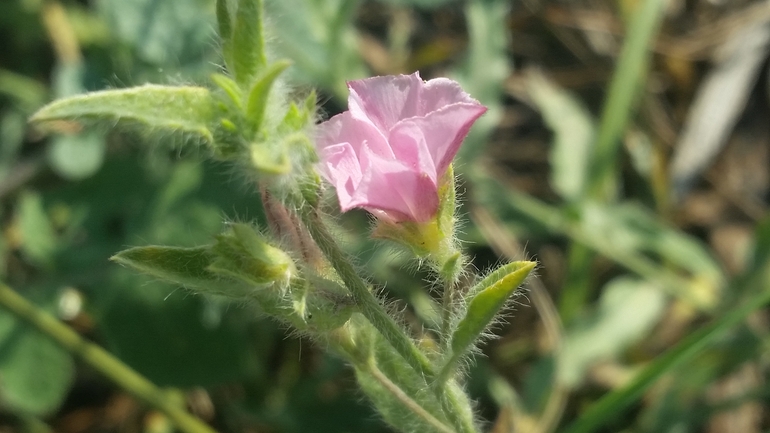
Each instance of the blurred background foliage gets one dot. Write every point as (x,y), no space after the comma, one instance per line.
(626,148)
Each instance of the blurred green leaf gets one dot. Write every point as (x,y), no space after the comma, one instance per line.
(630,228)
(612,404)
(628,309)
(485,69)
(35,373)
(573,128)
(627,81)
(171,339)
(319,37)
(181,110)
(39,241)
(12,128)
(77,156)
(162,32)
(28,93)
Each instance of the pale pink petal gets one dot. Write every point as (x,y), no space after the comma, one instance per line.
(394,188)
(441,92)
(386,100)
(344,128)
(444,131)
(399,136)
(411,149)
(340,167)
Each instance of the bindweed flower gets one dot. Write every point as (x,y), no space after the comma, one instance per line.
(388,153)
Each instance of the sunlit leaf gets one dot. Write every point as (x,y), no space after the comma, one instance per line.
(185,110)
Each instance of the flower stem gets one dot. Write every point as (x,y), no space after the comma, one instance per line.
(401,396)
(100,360)
(369,304)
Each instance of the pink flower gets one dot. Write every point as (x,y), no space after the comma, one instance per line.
(387,153)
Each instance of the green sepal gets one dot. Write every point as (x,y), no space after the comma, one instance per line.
(267,162)
(247,49)
(488,297)
(230,88)
(244,254)
(177,109)
(188,267)
(432,240)
(260,91)
(297,118)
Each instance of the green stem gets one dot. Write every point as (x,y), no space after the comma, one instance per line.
(369,304)
(372,309)
(100,360)
(401,396)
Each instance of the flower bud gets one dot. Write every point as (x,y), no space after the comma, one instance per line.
(244,254)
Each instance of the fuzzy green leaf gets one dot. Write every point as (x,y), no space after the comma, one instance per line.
(248,42)
(260,91)
(489,296)
(188,267)
(178,109)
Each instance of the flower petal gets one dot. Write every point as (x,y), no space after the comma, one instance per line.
(386,100)
(339,165)
(396,190)
(344,128)
(411,148)
(441,92)
(444,131)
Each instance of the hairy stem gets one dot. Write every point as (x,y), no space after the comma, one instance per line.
(401,396)
(101,361)
(370,306)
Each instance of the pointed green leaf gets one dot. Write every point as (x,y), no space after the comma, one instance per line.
(248,43)
(489,296)
(230,87)
(259,93)
(182,109)
(188,267)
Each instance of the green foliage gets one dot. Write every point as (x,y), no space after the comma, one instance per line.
(632,271)
(40,242)
(245,48)
(319,37)
(627,311)
(185,110)
(573,128)
(36,374)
